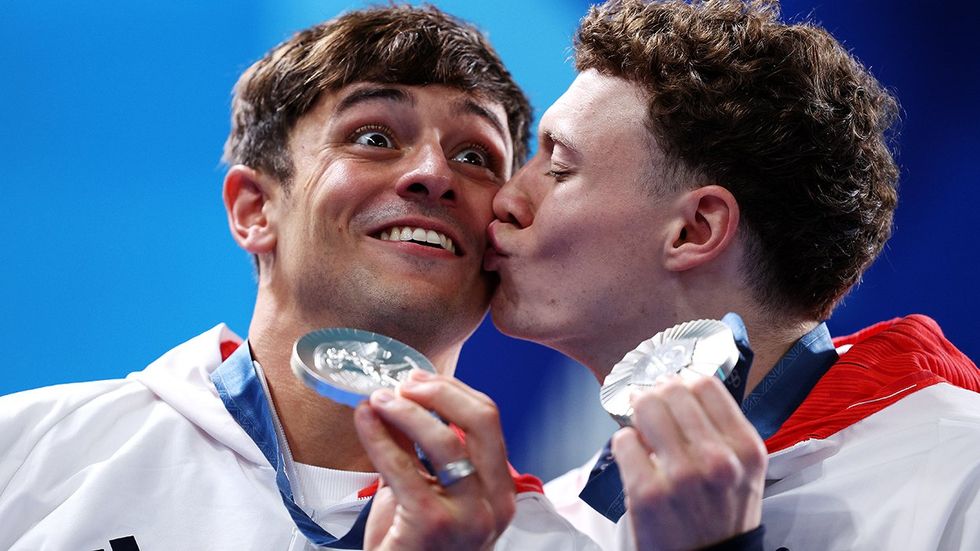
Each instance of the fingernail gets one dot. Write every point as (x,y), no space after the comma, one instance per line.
(365,413)
(421,375)
(382,396)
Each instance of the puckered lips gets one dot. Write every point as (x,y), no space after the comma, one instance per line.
(424,233)
(494,252)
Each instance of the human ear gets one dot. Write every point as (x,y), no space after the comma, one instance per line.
(246,194)
(704,227)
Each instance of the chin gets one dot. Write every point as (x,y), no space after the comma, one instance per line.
(515,322)
(434,323)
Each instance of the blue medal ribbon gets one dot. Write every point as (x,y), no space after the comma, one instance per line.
(739,377)
(243,396)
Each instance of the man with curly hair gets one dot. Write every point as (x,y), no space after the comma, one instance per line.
(709,159)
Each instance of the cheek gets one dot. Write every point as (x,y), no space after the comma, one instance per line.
(342,179)
(564,231)
(596,246)
(342,189)
(482,202)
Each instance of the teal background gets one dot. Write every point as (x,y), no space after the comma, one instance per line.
(112,119)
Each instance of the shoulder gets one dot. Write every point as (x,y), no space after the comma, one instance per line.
(32,413)
(45,434)
(943,420)
(71,393)
(907,476)
(65,427)
(880,368)
(53,415)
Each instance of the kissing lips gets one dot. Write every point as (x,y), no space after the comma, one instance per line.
(493,255)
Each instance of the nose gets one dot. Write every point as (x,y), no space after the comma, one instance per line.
(512,203)
(430,179)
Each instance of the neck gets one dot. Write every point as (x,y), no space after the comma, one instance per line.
(600,351)
(319,431)
(770,340)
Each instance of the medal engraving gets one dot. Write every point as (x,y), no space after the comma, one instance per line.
(693,349)
(347,365)
(667,358)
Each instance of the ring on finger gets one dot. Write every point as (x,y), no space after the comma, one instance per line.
(454,471)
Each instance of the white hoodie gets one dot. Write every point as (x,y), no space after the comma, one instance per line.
(155,461)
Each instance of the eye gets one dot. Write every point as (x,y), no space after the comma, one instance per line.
(559,174)
(473,155)
(373,136)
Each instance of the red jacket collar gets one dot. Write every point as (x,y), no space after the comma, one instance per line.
(885,363)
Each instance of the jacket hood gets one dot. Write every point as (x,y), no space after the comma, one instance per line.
(181,378)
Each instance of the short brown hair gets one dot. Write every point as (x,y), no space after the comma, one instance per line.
(391,44)
(781,115)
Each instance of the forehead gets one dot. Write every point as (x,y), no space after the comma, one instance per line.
(597,103)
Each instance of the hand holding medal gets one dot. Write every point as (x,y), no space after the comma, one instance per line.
(691,464)
(466,499)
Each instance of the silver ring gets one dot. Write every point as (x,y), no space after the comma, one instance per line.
(455,471)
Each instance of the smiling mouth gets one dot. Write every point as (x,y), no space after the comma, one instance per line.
(428,238)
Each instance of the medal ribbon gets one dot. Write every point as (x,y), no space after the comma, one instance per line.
(604,489)
(243,396)
(737,379)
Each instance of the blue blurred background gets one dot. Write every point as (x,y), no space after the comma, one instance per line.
(113,115)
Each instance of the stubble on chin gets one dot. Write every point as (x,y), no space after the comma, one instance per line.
(421,320)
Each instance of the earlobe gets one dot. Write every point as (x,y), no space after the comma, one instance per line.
(706,223)
(246,194)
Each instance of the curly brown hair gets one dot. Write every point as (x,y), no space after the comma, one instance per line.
(395,44)
(779,114)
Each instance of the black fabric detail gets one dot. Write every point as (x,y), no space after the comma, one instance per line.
(749,541)
(127,543)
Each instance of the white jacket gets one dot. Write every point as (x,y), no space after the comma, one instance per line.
(155,459)
(883,454)
(905,478)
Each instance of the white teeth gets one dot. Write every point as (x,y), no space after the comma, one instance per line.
(420,235)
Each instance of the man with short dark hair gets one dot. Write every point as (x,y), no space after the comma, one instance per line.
(709,159)
(365,153)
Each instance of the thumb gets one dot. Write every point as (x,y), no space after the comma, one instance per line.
(381,517)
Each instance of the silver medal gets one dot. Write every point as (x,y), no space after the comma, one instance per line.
(692,349)
(347,365)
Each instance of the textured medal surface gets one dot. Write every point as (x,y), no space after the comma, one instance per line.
(347,365)
(692,349)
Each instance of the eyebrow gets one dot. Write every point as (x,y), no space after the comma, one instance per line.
(558,137)
(374,93)
(466,106)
